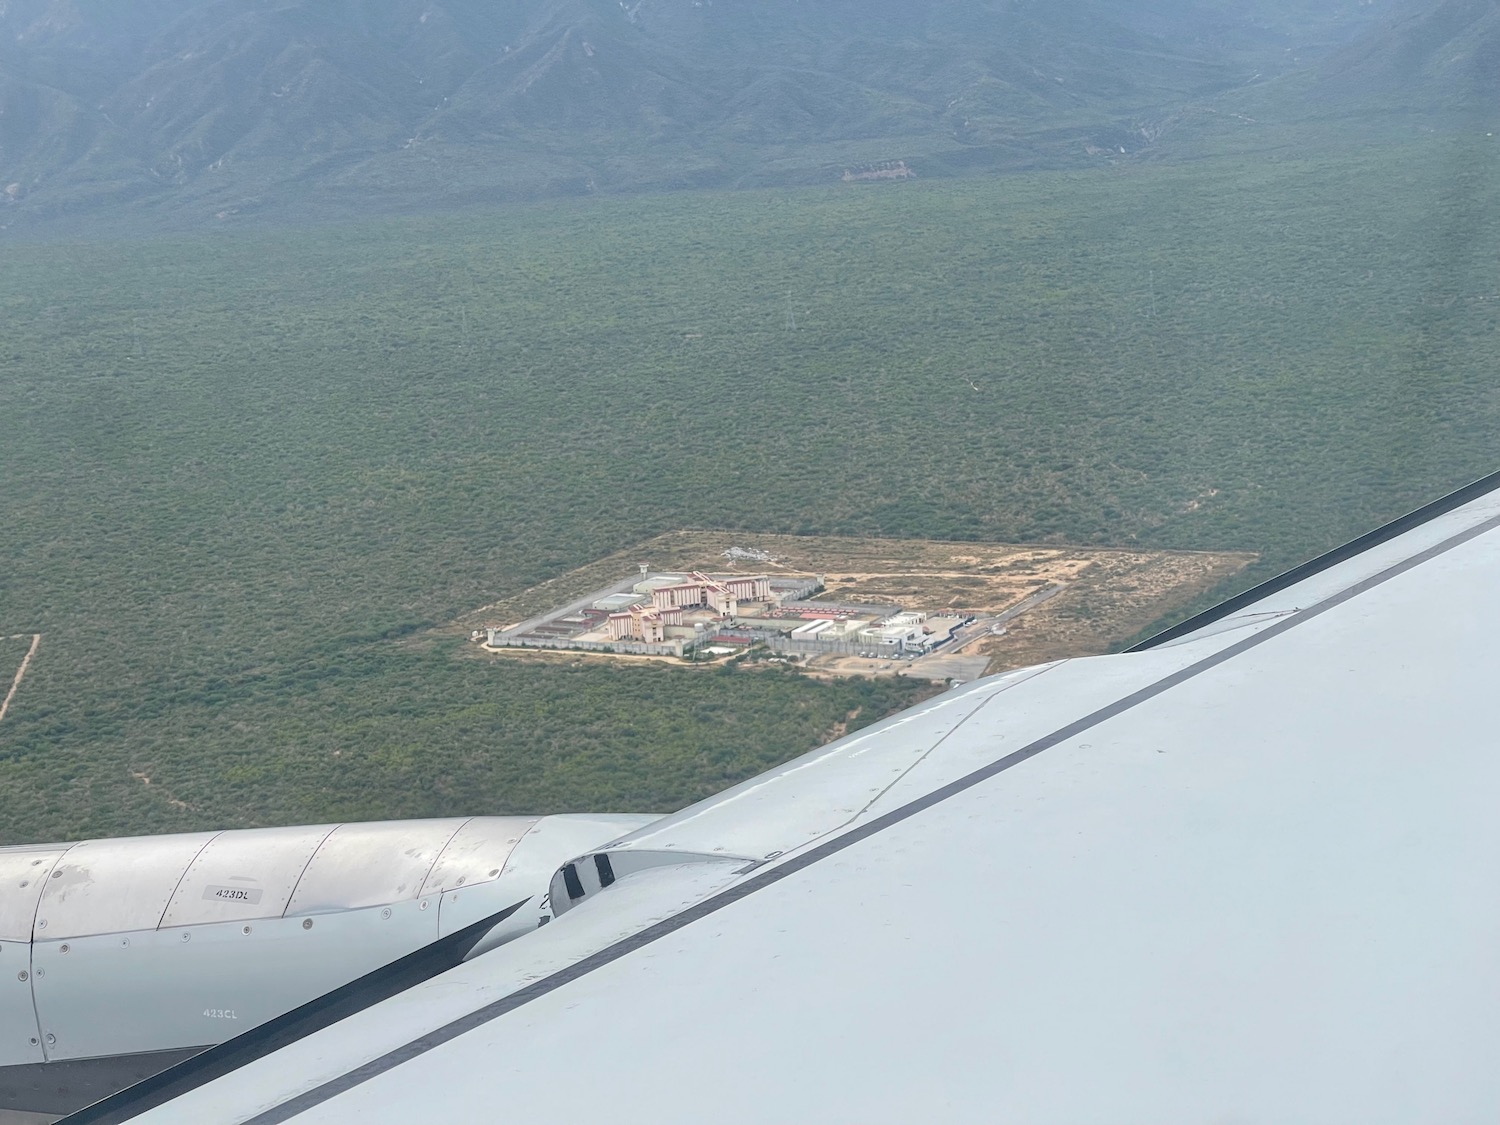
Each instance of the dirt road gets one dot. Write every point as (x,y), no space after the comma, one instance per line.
(15,686)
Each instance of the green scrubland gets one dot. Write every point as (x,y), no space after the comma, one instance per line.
(240,474)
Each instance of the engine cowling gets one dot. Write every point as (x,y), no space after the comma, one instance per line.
(172,943)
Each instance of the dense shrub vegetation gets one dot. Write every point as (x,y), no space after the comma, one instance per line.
(237,472)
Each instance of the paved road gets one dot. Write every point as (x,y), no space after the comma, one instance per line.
(981,628)
(1028,604)
(949,662)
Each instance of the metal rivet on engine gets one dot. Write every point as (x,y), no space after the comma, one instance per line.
(494,872)
(307,923)
(244,929)
(64,947)
(57,874)
(423,906)
(34,1040)
(41,923)
(124,943)
(40,973)
(386,913)
(51,1039)
(25,882)
(186,936)
(460,881)
(23,975)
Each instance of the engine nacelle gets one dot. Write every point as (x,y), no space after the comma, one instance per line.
(168,944)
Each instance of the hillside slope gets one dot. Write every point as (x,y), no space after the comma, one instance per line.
(210,110)
(1445,55)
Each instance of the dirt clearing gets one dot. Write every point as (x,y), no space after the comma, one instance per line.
(1106,595)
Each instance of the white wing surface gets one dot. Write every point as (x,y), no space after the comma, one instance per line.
(1247,874)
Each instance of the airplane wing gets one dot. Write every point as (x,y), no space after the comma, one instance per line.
(1244,873)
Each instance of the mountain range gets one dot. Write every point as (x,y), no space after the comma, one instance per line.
(203,112)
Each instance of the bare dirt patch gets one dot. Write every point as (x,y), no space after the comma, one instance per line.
(1114,597)
(145,779)
(1107,595)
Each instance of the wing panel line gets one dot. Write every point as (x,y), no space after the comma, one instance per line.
(431,1040)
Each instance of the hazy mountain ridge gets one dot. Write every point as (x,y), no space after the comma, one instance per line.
(202,108)
(1443,54)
